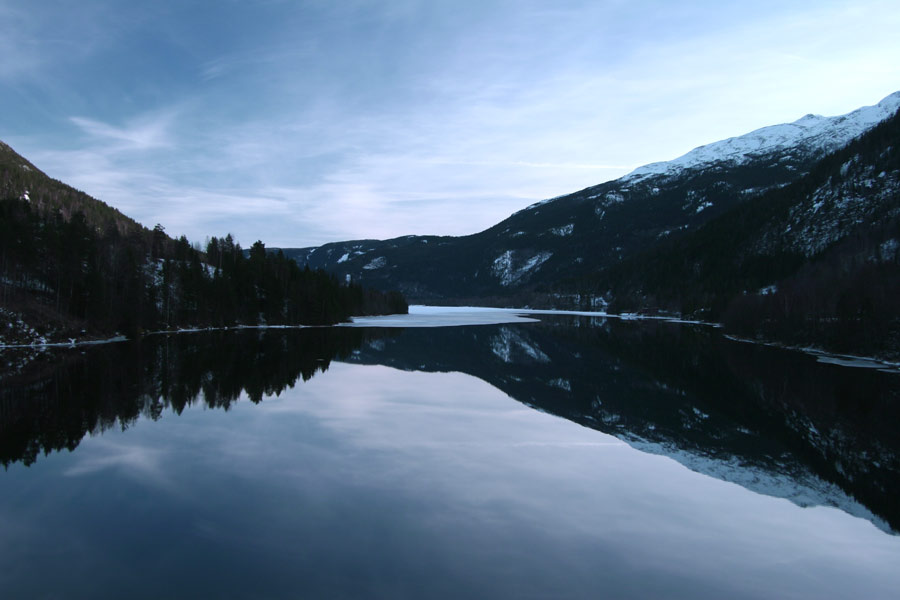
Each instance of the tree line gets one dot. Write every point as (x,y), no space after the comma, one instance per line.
(70,278)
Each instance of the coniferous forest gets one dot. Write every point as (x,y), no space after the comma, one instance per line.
(67,277)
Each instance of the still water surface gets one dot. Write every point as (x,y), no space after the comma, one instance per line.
(571,458)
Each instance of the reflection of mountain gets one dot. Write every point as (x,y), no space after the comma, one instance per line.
(80,393)
(775,422)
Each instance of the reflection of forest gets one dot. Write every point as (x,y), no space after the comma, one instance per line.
(52,405)
(736,411)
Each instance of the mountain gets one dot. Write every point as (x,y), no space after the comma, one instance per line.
(547,252)
(815,261)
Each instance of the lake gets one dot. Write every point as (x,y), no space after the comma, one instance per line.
(567,457)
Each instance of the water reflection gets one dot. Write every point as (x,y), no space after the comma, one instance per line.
(65,395)
(373,482)
(774,422)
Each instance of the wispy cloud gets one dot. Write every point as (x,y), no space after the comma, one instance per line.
(304,123)
(142,134)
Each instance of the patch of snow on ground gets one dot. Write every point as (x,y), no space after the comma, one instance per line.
(563,231)
(344,257)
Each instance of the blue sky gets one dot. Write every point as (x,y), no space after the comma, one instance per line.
(303,122)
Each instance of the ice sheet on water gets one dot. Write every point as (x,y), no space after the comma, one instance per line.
(443,316)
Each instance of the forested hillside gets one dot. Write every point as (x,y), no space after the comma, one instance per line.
(71,266)
(816,261)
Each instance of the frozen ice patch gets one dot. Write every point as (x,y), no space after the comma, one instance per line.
(442,316)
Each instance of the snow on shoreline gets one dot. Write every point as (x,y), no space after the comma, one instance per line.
(421,315)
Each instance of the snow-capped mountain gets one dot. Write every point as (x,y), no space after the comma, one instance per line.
(551,244)
(812,134)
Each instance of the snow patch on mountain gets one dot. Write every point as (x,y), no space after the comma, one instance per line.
(559,382)
(375,263)
(812,134)
(510,268)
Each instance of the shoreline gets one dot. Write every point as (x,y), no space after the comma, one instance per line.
(421,315)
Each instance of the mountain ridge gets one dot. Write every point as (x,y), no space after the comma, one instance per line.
(523,257)
(826,134)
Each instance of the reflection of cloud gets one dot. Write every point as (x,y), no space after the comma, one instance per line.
(141,463)
(444,435)
(381,408)
(462,459)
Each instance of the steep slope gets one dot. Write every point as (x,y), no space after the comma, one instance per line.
(575,235)
(21,179)
(815,261)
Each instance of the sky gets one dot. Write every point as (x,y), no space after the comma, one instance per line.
(303,122)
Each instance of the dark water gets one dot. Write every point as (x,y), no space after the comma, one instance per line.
(572,458)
